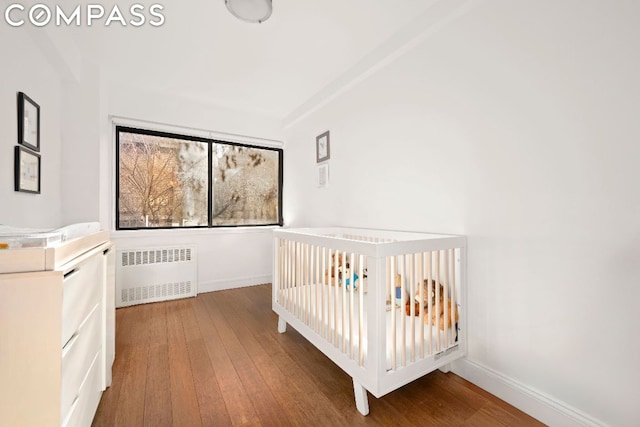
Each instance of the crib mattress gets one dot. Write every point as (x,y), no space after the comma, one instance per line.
(322,318)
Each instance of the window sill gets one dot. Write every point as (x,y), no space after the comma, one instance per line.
(194,231)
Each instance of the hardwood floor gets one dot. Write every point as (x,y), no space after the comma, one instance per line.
(218,360)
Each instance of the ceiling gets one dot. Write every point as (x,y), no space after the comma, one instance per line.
(203,53)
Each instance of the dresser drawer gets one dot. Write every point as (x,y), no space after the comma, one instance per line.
(82,289)
(84,406)
(77,356)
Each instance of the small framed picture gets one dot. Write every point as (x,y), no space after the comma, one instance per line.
(27,171)
(323,175)
(322,147)
(28,122)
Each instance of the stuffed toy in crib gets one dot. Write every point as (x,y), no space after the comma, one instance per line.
(344,270)
(330,273)
(434,315)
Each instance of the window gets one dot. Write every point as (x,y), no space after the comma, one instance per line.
(173,181)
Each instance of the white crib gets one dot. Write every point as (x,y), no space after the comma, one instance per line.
(378,331)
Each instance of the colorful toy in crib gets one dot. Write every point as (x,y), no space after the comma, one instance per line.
(441,305)
(344,270)
(348,275)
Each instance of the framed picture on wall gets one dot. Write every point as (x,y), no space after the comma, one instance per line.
(28,122)
(27,171)
(322,147)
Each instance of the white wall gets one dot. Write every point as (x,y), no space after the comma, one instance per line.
(78,153)
(517,126)
(227,258)
(24,69)
(81,162)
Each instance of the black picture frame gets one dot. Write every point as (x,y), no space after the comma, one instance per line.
(27,170)
(28,122)
(323,152)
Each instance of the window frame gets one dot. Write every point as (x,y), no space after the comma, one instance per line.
(210,142)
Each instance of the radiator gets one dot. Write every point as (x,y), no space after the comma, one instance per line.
(155,274)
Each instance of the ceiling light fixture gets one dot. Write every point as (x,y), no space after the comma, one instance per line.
(250,10)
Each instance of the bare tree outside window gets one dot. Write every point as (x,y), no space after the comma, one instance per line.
(164,182)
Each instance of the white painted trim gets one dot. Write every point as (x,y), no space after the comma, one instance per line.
(176,233)
(239,282)
(189,131)
(544,408)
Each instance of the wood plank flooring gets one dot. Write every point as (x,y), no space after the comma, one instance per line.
(218,360)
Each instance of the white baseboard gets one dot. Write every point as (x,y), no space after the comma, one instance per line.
(238,282)
(544,408)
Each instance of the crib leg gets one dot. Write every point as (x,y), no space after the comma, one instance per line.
(445,368)
(362,402)
(282,325)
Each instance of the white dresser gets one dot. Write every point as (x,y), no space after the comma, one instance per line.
(57,331)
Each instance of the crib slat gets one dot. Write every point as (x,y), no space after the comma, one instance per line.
(278,282)
(304,282)
(287,256)
(325,291)
(329,298)
(336,288)
(312,287)
(392,278)
(344,302)
(390,287)
(320,290)
(308,288)
(403,322)
(296,280)
(436,274)
(361,313)
(412,293)
(422,300)
(454,301)
(292,278)
(351,303)
(292,261)
(299,280)
(445,298)
(284,277)
(299,276)
(292,266)
(429,303)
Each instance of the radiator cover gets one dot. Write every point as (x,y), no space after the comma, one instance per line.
(154,274)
